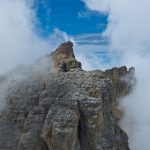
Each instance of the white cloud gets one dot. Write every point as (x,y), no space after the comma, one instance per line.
(18,40)
(129,34)
(98,5)
(92,56)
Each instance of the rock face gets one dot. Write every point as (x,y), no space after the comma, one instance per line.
(64,58)
(70,109)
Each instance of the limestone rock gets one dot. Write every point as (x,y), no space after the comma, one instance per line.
(123,82)
(64,58)
(70,109)
(60,130)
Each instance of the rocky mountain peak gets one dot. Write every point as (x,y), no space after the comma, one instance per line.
(65,50)
(68,109)
(64,58)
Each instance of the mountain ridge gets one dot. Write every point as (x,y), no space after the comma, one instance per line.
(65,109)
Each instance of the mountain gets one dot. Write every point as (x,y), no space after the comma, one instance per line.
(56,105)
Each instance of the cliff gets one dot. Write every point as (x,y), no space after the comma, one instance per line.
(65,109)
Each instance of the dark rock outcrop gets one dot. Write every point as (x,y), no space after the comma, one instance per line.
(70,109)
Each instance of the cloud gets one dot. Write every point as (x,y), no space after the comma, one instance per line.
(98,5)
(91,39)
(93,56)
(87,13)
(19,42)
(128,32)
(92,50)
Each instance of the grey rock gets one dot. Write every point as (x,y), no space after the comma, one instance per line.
(70,109)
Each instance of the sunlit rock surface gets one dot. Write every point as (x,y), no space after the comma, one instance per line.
(66,109)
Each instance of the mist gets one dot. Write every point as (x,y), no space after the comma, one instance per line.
(129,33)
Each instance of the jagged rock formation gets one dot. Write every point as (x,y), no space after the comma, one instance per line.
(70,109)
(64,58)
(123,81)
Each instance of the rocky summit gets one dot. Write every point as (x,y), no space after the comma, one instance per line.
(65,109)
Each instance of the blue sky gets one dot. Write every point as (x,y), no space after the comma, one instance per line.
(76,20)
(70,16)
